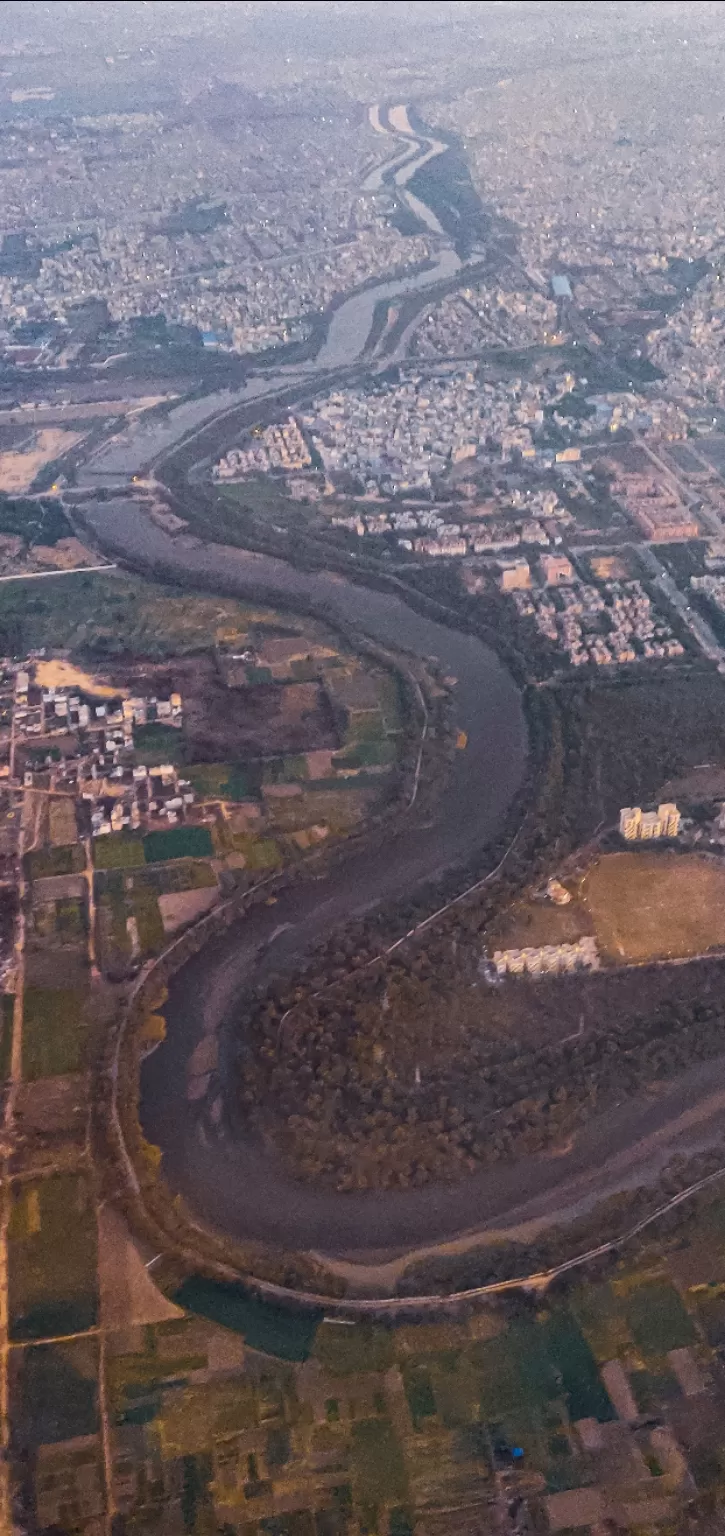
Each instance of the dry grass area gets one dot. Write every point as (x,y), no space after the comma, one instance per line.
(652,906)
(62,822)
(538,922)
(611,567)
(341,810)
(183,907)
(18,470)
(129,1297)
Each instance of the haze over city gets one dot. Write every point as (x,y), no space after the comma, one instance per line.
(362,768)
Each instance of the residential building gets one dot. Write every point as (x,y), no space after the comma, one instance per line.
(636,825)
(514,575)
(556,570)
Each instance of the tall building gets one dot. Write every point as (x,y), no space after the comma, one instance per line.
(629,822)
(670,818)
(636,825)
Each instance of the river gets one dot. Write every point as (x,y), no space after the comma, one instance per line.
(131,450)
(231,1181)
(210,1169)
(242,1187)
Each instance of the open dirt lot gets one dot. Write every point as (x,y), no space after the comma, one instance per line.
(185,906)
(128,1294)
(64,674)
(649,906)
(18,470)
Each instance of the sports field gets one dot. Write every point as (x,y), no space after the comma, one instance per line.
(652,906)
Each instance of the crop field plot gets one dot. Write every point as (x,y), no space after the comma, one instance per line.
(602,1319)
(378,1465)
(67,860)
(52,1258)
(55,1392)
(62,822)
(658,1319)
(54,1031)
(60,923)
(526,1372)
(345,1351)
(656,906)
(54,1399)
(178,843)
(259,853)
(121,851)
(225,781)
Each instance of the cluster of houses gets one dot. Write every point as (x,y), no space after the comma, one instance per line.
(280,447)
(612,625)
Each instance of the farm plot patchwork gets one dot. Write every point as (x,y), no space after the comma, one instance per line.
(52,1258)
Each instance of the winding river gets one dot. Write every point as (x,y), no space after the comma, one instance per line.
(131,450)
(230,1180)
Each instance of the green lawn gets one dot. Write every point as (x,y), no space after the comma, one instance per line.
(54,1032)
(52,1258)
(178,843)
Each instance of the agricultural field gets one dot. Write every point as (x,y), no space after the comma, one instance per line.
(656,906)
(52,1257)
(65,860)
(222,1411)
(55,1031)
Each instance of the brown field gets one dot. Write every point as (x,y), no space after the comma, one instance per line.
(340,810)
(185,906)
(129,1297)
(18,470)
(62,817)
(612,567)
(654,906)
(538,922)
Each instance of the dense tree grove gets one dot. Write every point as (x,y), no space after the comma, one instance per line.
(413,1069)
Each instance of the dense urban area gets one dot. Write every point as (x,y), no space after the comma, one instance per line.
(362,768)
